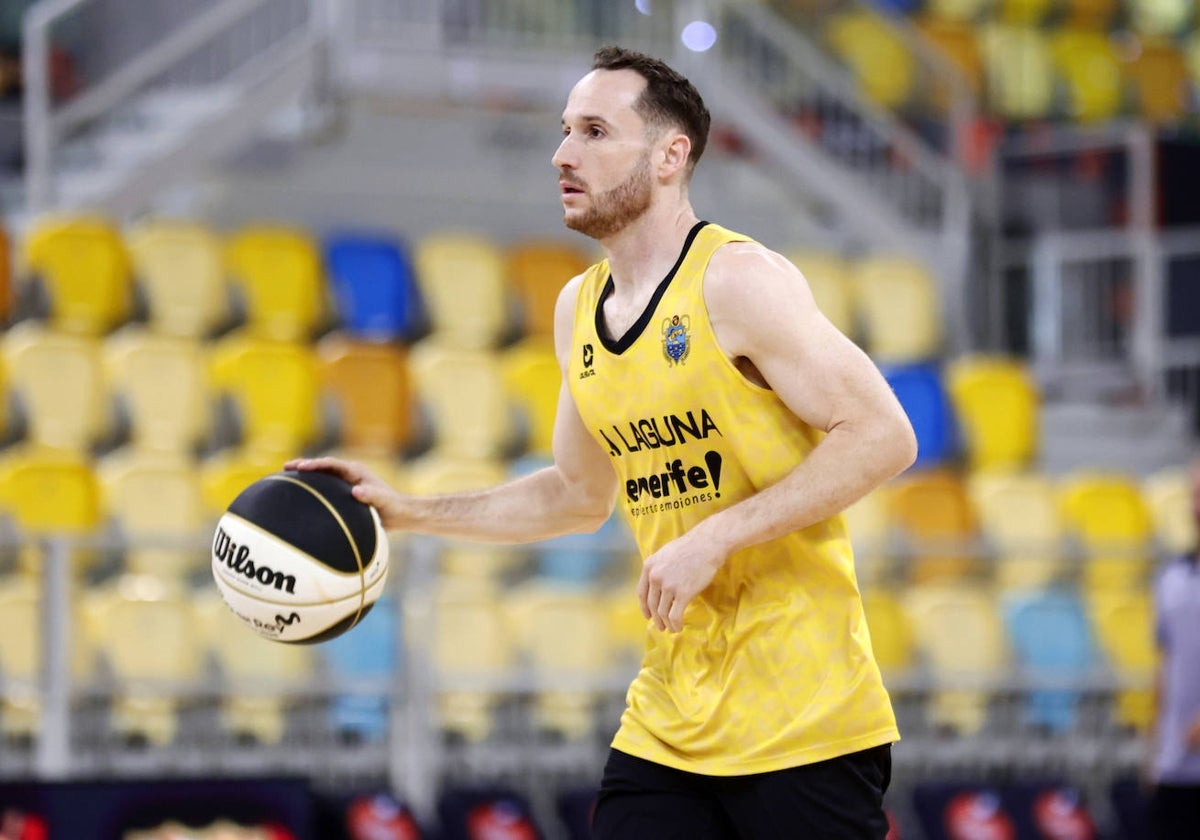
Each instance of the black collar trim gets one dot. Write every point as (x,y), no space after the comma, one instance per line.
(631,335)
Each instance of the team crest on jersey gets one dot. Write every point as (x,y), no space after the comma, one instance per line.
(677,338)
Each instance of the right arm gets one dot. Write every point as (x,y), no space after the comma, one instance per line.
(574,494)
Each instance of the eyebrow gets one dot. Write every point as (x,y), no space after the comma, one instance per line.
(589,118)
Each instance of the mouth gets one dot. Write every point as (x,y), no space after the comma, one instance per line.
(567,188)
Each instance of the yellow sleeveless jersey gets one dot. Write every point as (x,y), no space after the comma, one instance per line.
(773,668)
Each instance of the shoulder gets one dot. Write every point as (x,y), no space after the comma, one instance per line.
(564,314)
(748,279)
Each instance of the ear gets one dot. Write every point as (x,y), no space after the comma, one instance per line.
(675,155)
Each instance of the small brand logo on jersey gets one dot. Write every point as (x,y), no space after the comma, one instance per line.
(677,338)
(588,358)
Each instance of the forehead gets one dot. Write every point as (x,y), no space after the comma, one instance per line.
(610,94)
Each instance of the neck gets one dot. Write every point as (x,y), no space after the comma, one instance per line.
(643,252)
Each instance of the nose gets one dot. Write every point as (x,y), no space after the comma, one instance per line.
(563,157)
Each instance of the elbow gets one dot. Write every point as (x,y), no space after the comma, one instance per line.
(906,447)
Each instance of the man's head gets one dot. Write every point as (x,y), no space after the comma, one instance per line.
(669,100)
(630,126)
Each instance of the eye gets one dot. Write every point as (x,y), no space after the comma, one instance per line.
(595,131)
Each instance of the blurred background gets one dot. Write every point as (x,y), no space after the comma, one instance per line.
(238,230)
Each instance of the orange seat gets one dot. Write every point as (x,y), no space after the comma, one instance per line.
(279,273)
(537,272)
(82,264)
(933,512)
(1160,80)
(958,43)
(370,386)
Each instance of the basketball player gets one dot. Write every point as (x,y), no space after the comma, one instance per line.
(705,394)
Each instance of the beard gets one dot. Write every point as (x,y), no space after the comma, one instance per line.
(612,210)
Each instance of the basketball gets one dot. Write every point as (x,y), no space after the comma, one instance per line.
(298,558)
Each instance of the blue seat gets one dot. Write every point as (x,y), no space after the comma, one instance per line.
(374,286)
(1052,642)
(920,390)
(369,656)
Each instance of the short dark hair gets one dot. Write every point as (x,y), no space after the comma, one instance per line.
(669,98)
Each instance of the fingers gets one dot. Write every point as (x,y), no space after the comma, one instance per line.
(346,470)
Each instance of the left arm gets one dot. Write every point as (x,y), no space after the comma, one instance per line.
(765,319)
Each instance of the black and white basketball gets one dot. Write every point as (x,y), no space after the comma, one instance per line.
(298,558)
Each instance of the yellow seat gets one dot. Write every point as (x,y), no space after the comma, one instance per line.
(462,281)
(461,392)
(473,655)
(1161,17)
(933,512)
(1106,514)
(260,678)
(533,379)
(1159,75)
(1087,62)
(82,264)
(227,473)
(147,632)
(898,303)
(537,270)
(963,11)
(868,522)
(1168,494)
(180,268)
(278,271)
(1191,58)
(960,640)
(880,61)
(46,492)
(1124,623)
(892,639)
(1090,14)
(1020,522)
(997,404)
(157,504)
(434,474)
(832,284)
(370,386)
(274,387)
(1024,12)
(563,631)
(161,382)
(58,379)
(1019,71)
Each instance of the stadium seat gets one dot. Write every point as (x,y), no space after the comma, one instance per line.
(6,278)
(277,271)
(935,518)
(830,278)
(1159,75)
(260,679)
(1191,57)
(228,472)
(1168,495)
(1123,620)
(1021,527)
(965,11)
(274,390)
(997,406)
(148,634)
(156,502)
(537,270)
(433,474)
(160,382)
(898,303)
(364,667)
(461,393)
(563,633)
(960,44)
(1087,63)
(532,380)
(462,281)
(1024,12)
(1052,644)
(922,394)
(868,522)
(1090,14)
(1161,17)
(891,635)
(57,378)
(369,383)
(179,267)
(46,492)
(374,287)
(21,617)
(1106,515)
(83,269)
(881,62)
(473,654)
(1020,72)
(960,640)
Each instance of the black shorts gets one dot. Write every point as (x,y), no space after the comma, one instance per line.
(837,799)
